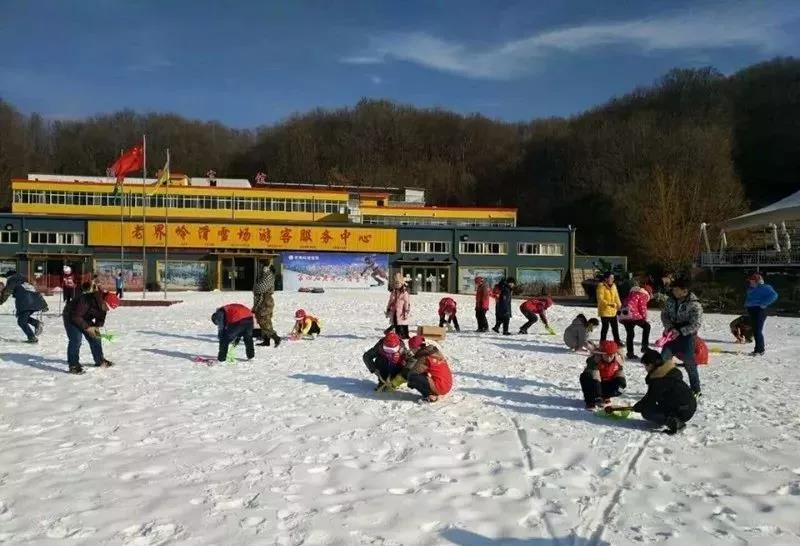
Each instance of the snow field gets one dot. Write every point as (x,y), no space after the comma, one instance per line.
(295,447)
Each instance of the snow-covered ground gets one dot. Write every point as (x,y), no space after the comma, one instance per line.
(295,447)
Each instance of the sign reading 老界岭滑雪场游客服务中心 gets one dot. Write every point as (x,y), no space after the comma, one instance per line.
(252,236)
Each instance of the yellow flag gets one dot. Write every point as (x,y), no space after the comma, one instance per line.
(163,178)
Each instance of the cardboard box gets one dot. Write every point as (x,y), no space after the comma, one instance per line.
(432,332)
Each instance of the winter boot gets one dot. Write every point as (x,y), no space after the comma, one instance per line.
(105,363)
(39,328)
(77,369)
(264,342)
(277,339)
(32,340)
(674,425)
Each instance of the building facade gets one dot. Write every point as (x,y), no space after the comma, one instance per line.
(195,235)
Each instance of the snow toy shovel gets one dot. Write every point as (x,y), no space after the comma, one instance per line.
(616,414)
(108,336)
(231,353)
(666,338)
(549,330)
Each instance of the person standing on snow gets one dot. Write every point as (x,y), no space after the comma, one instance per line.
(27,301)
(119,283)
(502,307)
(398,309)
(535,309)
(759,297)
(683,317)
(633,314)
(67,284)
(83,317)
(264,305)
(234,321)
(482,301)
(608,305)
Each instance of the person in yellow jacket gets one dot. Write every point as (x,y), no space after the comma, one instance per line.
(305,325)
(608,306)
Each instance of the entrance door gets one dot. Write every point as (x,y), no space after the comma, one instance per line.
(429,279)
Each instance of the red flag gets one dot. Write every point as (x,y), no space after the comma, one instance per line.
(130,161)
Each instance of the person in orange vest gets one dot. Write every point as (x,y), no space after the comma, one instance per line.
(603,377)
(428,371)
(234,321)
(305,325)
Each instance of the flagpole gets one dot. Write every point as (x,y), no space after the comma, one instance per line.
(166,228)
(122,224)
(144,216)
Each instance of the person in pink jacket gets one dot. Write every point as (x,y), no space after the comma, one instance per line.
(398,309)
(633,314)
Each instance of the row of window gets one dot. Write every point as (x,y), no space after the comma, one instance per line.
(9,237)
(429,221)
(55,238)
(213,202)
(482,248)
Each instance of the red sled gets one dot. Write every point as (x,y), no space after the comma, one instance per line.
(700,352)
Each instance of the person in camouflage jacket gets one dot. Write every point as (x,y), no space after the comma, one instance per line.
(264,304)
(683,314)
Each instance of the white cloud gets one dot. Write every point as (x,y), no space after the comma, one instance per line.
(377,80)
(756,26)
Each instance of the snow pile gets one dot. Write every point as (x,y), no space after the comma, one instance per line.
(295,447)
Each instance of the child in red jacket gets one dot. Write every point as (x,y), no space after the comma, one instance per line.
(482,301)
(633,314)
(534,309)
(603,376)
(428,372)
(447,313)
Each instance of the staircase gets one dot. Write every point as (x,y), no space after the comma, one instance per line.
(578,276)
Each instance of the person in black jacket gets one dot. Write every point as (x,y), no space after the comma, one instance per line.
(502,308)
(83,317)
(669,400)
(28,301)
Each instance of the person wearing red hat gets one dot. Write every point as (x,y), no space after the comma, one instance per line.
(603,378)
(535,309)
(482,301)
(428,372)
(759,297)
(386,359)
(305,325)
(447,313)
(234,321)
(83,317)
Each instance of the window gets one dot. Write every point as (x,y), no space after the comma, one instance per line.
(540,249)
(425,247)
(9,237)
(481,247)
(55,238)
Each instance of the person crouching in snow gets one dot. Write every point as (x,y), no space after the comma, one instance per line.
(535,309)
(603,377)
(447,313)
(428,372)
(741,329)
(83,317)
(305,325)
(669,400)
(576,336)
(234,321)
(386,360)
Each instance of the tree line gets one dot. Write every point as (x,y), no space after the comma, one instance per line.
(635,176)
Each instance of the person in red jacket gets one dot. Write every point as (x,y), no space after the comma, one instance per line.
(535,309)
(447,313)
(234,321)
(603,376)
(482,301)
(633,314)
(428,372)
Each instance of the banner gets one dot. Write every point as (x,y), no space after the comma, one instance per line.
(108,270)
(466,277)
(184,275)
(334,270)
(535,282)
(249,236)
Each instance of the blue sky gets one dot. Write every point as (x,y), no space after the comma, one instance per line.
(248,62)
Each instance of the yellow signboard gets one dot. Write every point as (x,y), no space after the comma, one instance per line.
(252,236)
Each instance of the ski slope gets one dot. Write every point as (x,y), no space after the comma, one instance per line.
(296,448)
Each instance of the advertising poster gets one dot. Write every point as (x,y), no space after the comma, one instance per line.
(184,275)
(534,282)
(7,265)
(334,270)
(107,271)
(466,277)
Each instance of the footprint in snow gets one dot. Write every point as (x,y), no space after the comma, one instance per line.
(400,491)
(663,476)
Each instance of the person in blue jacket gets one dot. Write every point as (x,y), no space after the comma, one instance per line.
(759,297)
(28,301)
